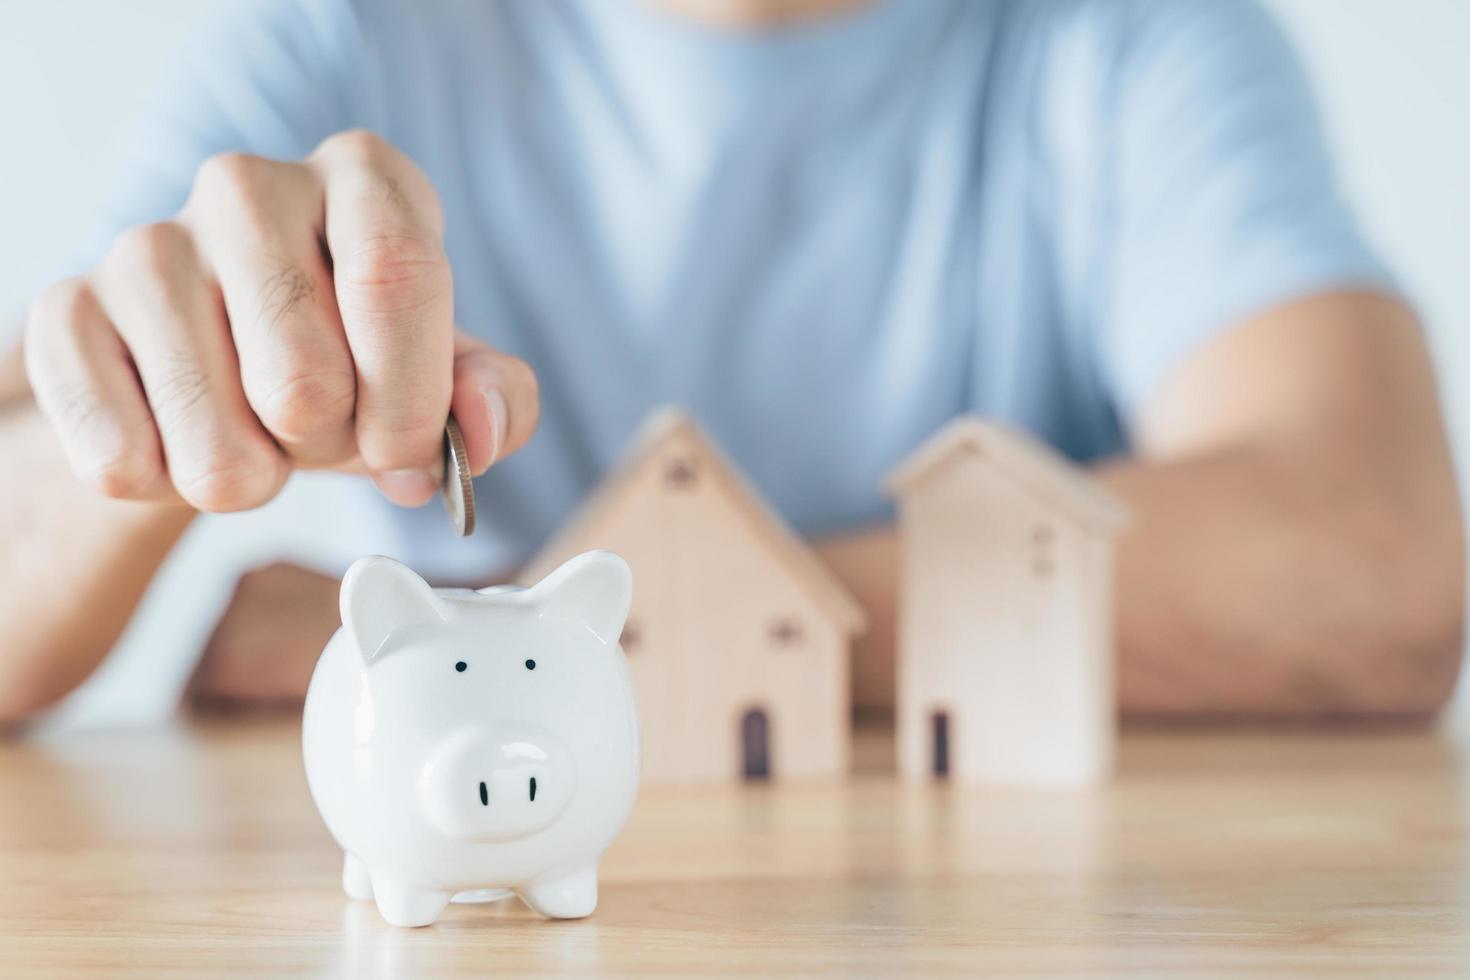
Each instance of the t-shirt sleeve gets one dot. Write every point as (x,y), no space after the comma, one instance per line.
(1220,198)
(270,77)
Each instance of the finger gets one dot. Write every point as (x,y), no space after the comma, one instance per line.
(496,401)
(85,384)
(259,224)
(396,299)
(173,322)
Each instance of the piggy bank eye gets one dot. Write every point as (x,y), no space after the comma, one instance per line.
(530,665)
(461,666)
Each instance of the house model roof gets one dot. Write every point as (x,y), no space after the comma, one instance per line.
(762,521)
(1035,466)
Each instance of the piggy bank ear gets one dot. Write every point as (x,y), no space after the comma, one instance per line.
(594,589)
(378,596)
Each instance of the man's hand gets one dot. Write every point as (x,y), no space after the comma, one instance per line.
(291,315)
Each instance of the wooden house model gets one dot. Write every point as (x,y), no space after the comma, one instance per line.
(1005,645)
(739,637)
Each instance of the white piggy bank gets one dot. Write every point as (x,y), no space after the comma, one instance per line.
(475,742)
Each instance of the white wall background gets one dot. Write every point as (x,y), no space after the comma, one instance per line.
(75,75)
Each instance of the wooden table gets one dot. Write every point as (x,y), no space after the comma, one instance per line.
(197,851)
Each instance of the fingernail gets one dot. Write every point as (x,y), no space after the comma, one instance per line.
(499,413)
(407,488)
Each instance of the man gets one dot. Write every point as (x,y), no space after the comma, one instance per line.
(825,227)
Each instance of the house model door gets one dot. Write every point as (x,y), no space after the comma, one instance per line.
(755,744)
(939,744)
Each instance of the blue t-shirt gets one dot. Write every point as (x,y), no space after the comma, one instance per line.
(823,241)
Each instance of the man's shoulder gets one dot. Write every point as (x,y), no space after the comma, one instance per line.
(1081,66)
(1128,30)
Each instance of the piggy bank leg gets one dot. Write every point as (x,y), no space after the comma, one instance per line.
(405,904)
(356,881)
(564,896)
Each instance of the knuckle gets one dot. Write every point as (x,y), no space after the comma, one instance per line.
(236,194)
(356,146)
(72,407)
(308,404)
(401,424)
(229,176)
(230,480)
(368,168)
(284,292)
(153,252)
(239,195)
(397,439)
(56,320)
(127,476)
(60,305)
(177,385)
(393,274)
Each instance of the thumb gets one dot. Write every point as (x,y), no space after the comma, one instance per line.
(496,401)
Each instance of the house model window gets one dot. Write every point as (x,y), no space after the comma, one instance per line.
(784,632)
(679,473)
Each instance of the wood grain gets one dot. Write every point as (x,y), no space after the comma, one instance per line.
(196,851)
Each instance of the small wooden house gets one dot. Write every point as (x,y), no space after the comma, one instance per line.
(1005,646)
(739,637)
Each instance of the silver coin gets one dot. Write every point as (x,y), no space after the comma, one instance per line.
(459,491)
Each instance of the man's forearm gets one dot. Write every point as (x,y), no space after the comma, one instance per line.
(1246,586)
(1297,546)
(1255,584)
(76,564)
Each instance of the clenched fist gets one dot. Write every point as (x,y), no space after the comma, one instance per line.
(291,315)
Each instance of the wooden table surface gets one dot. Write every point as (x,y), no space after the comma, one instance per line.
(197,851)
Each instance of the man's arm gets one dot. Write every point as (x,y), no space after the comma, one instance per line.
(77,562)
(208,356)
(1296,547)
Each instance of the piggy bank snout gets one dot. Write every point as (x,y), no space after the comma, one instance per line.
(497,784)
